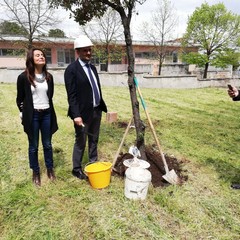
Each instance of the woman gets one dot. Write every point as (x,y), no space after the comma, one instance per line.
(35,89)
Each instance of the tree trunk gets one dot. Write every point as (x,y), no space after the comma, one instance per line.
(206,70)
(107,58)
(140,127)
(30,41)
(160,67)
(161,55)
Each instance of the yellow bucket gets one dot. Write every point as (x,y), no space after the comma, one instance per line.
(99,174)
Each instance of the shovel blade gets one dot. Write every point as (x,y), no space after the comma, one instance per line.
(172,177)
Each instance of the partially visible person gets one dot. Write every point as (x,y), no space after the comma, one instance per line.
(85,104)
(234,93)
(35,88)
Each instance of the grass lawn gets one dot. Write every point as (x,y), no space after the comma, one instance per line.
(199,126)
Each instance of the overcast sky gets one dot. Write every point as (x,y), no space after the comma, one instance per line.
(183,9)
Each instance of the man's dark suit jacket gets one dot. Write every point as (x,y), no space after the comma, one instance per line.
(24,102)
(79,91)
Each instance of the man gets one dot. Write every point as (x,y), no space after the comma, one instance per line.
(234,94)
(85,104)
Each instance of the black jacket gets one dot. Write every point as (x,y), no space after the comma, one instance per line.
(237,98)
(24,102)
(79,91)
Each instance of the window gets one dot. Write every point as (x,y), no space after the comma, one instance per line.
(65,56)
(48,55)
(138,55)
(175,57)
(171,57)
(12,52)
(168,58)
(146,55)
(69,56)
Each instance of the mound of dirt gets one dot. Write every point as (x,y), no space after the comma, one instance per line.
(156,166)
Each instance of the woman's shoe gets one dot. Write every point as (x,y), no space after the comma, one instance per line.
(36,179)
(50,174)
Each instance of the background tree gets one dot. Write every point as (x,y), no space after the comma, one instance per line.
(160,28)
(12,28)
(58,33)
(35,16)
(83,11)
(107,30)
(105,53)
(215,30)
(229,57)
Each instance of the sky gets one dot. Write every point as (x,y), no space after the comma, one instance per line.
(183,9)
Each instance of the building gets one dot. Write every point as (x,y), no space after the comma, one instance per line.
(60,53)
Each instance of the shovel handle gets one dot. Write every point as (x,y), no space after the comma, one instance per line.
(120,146)
(151,126)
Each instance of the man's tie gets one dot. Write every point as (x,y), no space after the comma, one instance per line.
(95,90)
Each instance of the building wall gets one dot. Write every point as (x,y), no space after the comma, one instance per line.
(12,61)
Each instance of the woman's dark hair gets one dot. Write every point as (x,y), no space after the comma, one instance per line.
(30,67)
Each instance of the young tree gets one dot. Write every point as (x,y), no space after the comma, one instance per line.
(159,30)
(35,16)
(107,30)
(215,30)
(83,12)
(106,52)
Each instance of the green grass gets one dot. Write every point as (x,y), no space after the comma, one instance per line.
(199,126)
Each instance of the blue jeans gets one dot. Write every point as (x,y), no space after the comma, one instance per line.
(41,122)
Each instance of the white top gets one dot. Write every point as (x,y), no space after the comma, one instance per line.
(83,64)
(39,94)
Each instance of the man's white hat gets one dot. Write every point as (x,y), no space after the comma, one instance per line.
(82,41)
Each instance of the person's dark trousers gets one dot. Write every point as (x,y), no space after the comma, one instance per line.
(92,126)
(41,123)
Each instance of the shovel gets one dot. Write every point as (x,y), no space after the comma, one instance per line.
(170,176)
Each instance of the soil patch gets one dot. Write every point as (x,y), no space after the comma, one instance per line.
(156,166)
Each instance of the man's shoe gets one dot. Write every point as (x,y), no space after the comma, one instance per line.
(235,186)
(79,174)
(50,174)
(36,179)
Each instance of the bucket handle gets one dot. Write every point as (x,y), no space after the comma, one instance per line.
(89,163)
(106,163)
